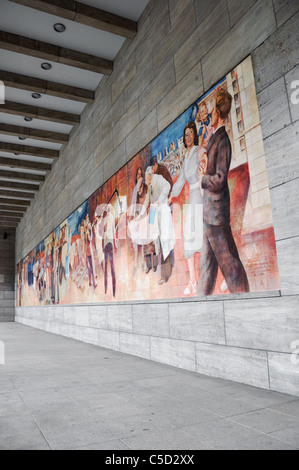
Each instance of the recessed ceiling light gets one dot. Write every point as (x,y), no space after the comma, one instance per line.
(46,66)
(28,119)
(36,96)
(59,27)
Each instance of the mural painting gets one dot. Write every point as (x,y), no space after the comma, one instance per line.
(190,215)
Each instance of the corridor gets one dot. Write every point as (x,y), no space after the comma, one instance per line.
(58,393)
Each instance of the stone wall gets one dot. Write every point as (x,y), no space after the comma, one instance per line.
(7,278)
(181,50)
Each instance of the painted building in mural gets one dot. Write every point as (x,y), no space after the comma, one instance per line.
(189,215)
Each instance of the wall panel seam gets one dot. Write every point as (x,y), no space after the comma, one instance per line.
(284,183)
(195,342)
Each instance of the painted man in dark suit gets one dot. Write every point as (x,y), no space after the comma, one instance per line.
(219,247)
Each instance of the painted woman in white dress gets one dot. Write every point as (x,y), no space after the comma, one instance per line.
(193,163)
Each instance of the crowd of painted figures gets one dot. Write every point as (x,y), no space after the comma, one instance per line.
(83,256)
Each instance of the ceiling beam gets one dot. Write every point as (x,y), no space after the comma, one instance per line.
(13,215)
(7,218)
(36,134)
(85,14)
(8,224)
(21,176)
(43,50)
(23,82)
(105,21)
(30,188)
(21,194)
(43,114)
(29,150)
(12,208)
(24,164)
(14,202)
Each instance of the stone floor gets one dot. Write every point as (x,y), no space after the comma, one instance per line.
(57,393)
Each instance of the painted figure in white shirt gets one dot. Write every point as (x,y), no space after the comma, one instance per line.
(193,216)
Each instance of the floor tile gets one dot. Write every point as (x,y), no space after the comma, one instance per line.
(290,408)
(6,384)
(183,415)
(32,441)
(221,434)
(224,406)
(12,404)
(16,424)
(41,400)
(266,420)
(177,440)
(75,436)
(58,393)
(109,445)
(290,436)
(262,442)
(136,425)
(256,396)
(58,416)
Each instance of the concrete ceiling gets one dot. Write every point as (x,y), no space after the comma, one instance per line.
(25,163)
